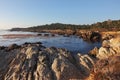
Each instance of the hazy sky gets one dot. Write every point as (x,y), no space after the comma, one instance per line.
(25,13)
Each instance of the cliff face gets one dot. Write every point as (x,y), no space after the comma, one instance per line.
(35,62)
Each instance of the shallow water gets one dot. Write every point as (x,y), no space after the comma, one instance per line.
(72,43)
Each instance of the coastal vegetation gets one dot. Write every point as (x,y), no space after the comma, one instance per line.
(99,26)
(94,32)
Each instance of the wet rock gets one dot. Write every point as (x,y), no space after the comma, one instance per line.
(53,35)
(13,46)
(2,47)
(39,34)
(95,36)
(66,35)
(91,36)
(27,44)
(46,35)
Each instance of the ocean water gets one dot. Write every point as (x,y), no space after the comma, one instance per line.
(72,43)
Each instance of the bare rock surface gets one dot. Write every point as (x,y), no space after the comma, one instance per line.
(90,36)
(106,69)
(108,65)
(94,52)
(35,62)
(109,48)
(32,61)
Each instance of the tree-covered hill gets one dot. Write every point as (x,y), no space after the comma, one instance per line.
(106,25)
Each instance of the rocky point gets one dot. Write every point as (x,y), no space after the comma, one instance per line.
(32,61)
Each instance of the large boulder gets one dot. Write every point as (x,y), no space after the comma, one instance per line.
(91,36)
(13,46)
(115,43)
(105,52)
(109,48)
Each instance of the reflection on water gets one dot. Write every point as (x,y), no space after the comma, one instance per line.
(72,43)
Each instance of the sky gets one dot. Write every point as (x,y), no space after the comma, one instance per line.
(27,13)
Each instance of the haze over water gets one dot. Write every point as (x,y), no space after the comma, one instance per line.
(72,43)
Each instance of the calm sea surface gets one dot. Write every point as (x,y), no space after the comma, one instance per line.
(72,43)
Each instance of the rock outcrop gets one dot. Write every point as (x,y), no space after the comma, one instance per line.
(109,48)
(90,36)
(32,61)
(106,69)
(35,62)
(107,66)
(107,35)
(94,52)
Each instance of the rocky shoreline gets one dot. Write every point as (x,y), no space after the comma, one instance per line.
(86,35)
(32,61)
